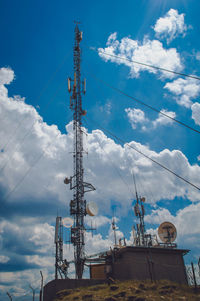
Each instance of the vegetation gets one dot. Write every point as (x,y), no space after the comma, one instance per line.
(131,291)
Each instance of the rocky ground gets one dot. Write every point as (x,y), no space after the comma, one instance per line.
(132,291)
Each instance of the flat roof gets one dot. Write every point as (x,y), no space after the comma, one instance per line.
(152,249)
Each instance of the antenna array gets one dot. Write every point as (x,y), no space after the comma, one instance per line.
(79,187)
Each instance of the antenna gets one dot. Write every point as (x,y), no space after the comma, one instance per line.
(61,265)
(114,230)
(135,187)
(139,213)
(79,187)
(167,232)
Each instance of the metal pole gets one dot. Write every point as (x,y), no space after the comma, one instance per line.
(41,290)
(9,296)
(194,276)
(33,292)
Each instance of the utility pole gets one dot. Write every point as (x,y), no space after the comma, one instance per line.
(42,284)
(79,187)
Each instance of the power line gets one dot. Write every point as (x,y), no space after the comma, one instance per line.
(116,169)
(140,152)
(147,65)
(144,104)
(24,176)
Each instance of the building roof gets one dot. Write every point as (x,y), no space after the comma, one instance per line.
(159,249)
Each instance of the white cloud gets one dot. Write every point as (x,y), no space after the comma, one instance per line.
(33,205)
(6,76)
(106,108)
(185,90)
(196,112)
(97,221)
(162,120)
(45,180)
(159,216)
(97,243)
(187,223)
(147,52)
(198,55)
(170,26)
(135,116)
(4,259)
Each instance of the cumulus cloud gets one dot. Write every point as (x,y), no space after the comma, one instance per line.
(170,26)
(97,221)
(135,116)
(196,112)
(6,76)
(185,90)
(162,120)
(187,224)
(35,158)
(149,52)
(4,259)
(44,181)
(198,55)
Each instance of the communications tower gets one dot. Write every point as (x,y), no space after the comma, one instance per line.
(77,87)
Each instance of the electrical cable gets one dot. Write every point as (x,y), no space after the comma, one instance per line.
(147,65)
(154,161)
(24,176)
(144,104)
(116,169)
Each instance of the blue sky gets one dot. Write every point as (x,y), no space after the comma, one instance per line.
(36,134)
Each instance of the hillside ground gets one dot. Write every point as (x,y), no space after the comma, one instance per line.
(132,291)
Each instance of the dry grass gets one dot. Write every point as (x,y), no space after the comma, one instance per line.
(131,291)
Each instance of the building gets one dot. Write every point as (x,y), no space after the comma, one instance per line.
(141,263)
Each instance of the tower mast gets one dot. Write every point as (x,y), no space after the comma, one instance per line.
(79,187)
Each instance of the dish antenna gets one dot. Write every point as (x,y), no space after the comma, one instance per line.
(167,232)
(92,209)
(67,222)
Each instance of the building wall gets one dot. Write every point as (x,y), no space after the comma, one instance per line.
(155,265)
(98,271)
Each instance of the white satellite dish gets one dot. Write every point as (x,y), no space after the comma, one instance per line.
(67,222)
(167,232)
(92,209)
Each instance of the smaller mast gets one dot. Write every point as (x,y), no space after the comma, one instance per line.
(114,230)
(61,265)
(139,212)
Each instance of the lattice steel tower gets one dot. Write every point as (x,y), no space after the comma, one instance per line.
(79,187)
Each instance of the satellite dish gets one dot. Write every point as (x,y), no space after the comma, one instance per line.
(167,232)
(92,209)
(67,222)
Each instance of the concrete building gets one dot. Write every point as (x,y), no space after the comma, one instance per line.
(141,263)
